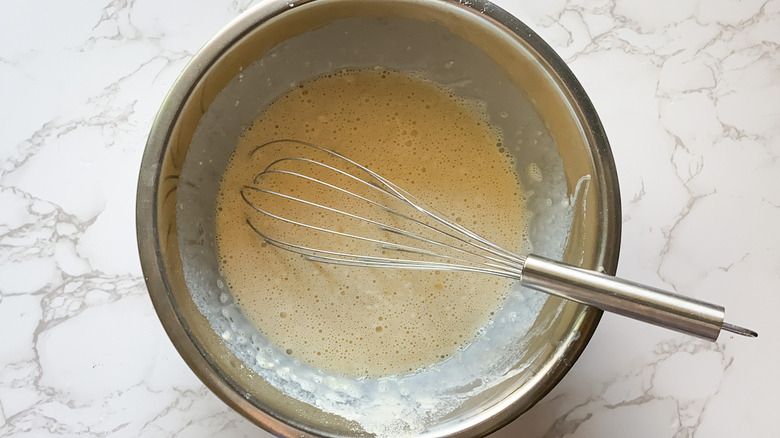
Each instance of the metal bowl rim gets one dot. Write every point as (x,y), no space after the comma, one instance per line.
(148,234)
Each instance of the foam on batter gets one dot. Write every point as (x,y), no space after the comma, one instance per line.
(365,322)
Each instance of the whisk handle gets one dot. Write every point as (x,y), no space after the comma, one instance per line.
(640,302)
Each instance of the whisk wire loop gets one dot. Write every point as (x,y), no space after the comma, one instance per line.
(481,250)
(315,253)
(390,189)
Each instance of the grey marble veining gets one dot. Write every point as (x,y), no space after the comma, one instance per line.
(688,91)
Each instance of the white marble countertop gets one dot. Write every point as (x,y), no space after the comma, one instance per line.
(689,93)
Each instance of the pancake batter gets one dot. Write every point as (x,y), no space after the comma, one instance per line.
(365,322)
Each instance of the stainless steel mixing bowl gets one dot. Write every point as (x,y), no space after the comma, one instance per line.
(496,59)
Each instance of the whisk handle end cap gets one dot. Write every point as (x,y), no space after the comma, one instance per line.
(742,331)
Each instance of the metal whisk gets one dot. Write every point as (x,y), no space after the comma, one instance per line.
(330,209)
